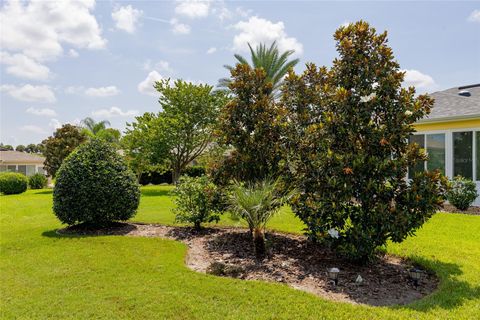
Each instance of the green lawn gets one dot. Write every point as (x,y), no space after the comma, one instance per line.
(43,275)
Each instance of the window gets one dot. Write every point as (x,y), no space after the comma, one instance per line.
(30,170)
(12,168)
(463,154)
(22,169)
(436,152)
(3,168)
(478,156)
(419,166)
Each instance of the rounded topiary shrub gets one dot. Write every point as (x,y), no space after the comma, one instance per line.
(462,193)
(13,183)
(37,181)
(95,186)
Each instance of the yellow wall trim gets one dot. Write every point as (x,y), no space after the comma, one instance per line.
(447,125)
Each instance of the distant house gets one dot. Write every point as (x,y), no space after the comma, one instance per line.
(22,162)
(451,134)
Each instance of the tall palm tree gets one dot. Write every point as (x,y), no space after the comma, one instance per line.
(94,127)
(275,63)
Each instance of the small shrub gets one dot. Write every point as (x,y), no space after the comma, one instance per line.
(196,200)
(95,186)
(257,203)
(194,171)
(462,193)
(13,183)
(37,181)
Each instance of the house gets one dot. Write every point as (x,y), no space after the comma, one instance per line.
(26,163)
(451,134)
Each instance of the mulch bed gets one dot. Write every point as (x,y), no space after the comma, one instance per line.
(473,210)
(290,259)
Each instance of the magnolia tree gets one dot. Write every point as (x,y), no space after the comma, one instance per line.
(346,147)
(248,125)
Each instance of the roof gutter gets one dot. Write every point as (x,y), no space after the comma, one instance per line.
(450,119)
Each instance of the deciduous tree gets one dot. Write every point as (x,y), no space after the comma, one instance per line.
(57,147)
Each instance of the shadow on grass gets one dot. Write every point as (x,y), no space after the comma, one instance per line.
(83,230)
(451,292)
(155,192)
(44,191)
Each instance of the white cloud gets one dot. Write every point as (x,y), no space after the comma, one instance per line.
(474,16)
(114,112)
(146,86)
(39,29)
(192,8)
(419,80)
(179,28)
(126,18)
(74,89)
(211,50)
(102,91)
(42,112)
(54,124)
(161,66)
(73,53)
(258,30)
(30,93)
(19,65)
(34,129)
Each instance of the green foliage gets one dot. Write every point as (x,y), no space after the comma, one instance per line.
(346,141)
(179,133)
(37,181)
(275,64)
(6,147)
(60,145)
(94,127)
(194,171)
(20,148)
(256,203)
(34,148)
(249,125)
(95,186)
(196,199)
(99,130)
(462,193)
(13,183)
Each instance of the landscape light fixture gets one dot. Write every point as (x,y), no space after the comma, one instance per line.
(333,274)
(415,275)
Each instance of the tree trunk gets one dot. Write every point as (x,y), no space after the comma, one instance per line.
(259,243)
(197,226)
(175,175)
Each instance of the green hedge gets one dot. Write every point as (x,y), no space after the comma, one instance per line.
(462,193)
(95,186)
(37,181)
(13,183)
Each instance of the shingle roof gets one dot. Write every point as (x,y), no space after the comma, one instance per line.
(450,104)
(19,157)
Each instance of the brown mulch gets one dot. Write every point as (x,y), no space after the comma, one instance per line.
(291,260)
(473,210)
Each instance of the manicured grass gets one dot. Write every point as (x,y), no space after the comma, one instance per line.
(43,275)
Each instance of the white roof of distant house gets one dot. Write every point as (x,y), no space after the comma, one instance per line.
(20,157)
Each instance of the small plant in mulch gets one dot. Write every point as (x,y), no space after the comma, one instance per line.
(257,203)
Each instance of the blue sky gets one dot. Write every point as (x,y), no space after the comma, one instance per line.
(62,62)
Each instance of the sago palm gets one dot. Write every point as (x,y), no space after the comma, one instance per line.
(256,203)
(275,64)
